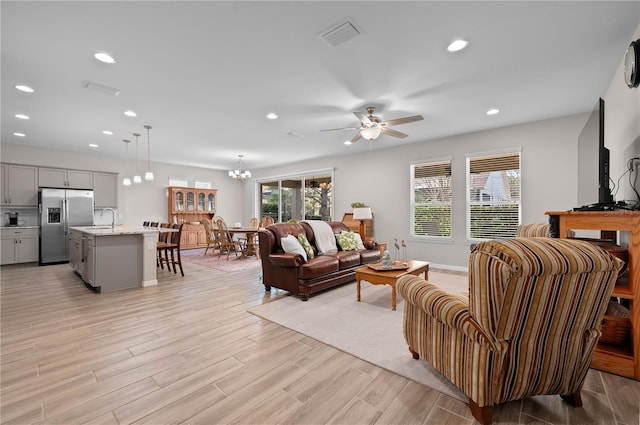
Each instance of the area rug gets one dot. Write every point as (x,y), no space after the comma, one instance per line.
(233,264)
(368,329)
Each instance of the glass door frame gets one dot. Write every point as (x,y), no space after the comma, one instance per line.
(304,177)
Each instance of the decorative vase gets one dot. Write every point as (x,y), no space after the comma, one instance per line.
(386,259)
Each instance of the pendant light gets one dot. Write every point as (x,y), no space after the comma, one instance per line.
(136,177)
(148,175)
(126,181)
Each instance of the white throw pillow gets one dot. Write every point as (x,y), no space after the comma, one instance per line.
(359,240)
(292,245)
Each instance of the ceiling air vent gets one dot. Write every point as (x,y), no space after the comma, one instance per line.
(101,88)
(293,134)
(341,33)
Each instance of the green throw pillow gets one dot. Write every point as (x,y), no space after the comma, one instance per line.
(306,245)
(347,241)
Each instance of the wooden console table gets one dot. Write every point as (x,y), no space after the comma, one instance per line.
(621,360)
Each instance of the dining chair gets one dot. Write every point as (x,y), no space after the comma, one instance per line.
(162,240)
(227,243)
(266,221)
(213,241)
(172,246)
(145,223)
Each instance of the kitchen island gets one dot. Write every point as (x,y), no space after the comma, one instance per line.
(109,259)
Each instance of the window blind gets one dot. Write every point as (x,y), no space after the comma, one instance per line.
(493,188)
(431,198)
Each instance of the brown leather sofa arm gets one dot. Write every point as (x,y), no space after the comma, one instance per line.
(286,260)
(370,244)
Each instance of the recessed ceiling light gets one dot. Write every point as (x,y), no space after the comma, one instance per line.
(457,45)
(130,113)
(347,142)
(22,116)
(19,134)
(272,115)
(104,57)
(93,145)
(24,88)
(107,132)
(493,111)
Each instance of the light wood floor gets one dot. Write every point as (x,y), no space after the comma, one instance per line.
(187,352)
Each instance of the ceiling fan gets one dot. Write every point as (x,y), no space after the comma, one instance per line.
(372,126)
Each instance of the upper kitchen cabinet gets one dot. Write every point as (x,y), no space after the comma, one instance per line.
(69,179)
(19,185)
(105,190)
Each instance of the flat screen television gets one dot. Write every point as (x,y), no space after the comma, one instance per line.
(593,163)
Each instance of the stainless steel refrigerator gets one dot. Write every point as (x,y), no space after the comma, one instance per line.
(60,209)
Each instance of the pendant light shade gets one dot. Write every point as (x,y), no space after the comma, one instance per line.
(126,181)
(370,133)
(136,177)
(149,174)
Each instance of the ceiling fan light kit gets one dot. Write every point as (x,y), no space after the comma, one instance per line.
(371,126)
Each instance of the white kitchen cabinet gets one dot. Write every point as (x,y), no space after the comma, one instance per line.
(61,178)
(75,252)
(19,185)
(90,262)
(19,245)
(105,190)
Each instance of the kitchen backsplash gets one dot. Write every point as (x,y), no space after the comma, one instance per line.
(26,216)
(29,216)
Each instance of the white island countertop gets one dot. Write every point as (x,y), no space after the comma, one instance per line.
(106,230)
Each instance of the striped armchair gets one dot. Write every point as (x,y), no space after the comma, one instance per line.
(528,326)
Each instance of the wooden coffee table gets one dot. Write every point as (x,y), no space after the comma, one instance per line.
(390,277)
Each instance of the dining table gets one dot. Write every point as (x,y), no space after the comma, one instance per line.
(250,233)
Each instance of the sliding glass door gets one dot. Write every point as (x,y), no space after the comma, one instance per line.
(299,197)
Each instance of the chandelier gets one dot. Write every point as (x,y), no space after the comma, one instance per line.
(238,174)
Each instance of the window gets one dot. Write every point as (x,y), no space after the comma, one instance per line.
(178,181)
(431,198)
(493,195)
(202,184)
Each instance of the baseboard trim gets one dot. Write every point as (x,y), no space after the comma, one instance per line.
(449,267)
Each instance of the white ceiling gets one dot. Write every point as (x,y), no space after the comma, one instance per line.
(205,74)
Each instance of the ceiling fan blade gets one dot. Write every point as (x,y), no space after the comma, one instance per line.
(404,120)
(343,128)
(356,137)
(363,118)
(394,133)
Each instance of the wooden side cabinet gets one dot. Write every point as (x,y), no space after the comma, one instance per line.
(188,205)
(622,360)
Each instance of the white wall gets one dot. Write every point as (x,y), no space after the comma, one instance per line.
(381,179)
(136,203)
(622,128)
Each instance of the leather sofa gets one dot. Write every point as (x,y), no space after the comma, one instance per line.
(292,273)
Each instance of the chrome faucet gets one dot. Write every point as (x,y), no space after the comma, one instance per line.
(113,215)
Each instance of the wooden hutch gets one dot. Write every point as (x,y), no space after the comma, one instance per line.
(624,359)
(189,206)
